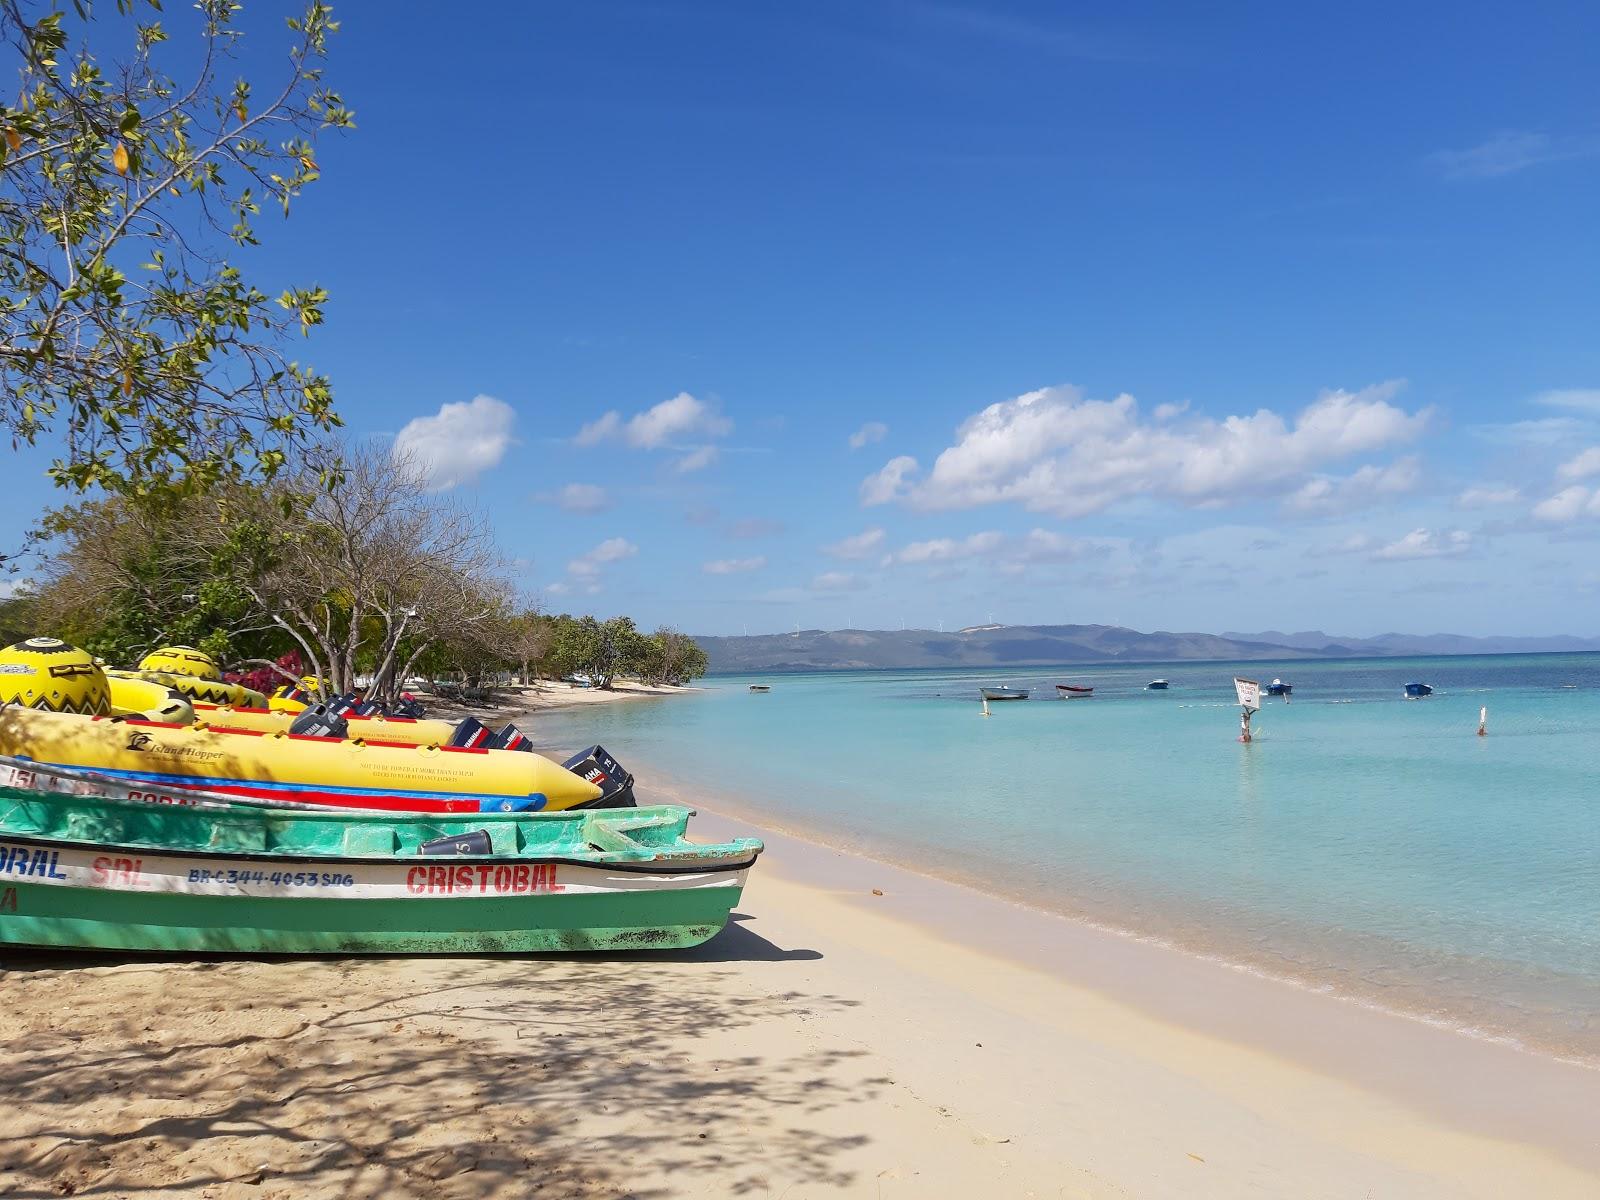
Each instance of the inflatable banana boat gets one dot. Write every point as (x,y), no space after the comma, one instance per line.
(288,768)
(132,697)
(380,729)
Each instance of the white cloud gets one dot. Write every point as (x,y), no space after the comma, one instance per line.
(1166,412)
(459,442)
(609,551)
(884,486)
(1569,504)
(1010,554)
(1580,399)
(580,498)
(1507,153)
(681,416)
(872,431)
(734,566)
(1582,466)
(1426,543)
(1488,495)
(1054,451)
(1369,485)
(1541,431)
(857,545)
(947,549)
(837,581)
(696,460)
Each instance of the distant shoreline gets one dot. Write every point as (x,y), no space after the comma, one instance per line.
(1091,663)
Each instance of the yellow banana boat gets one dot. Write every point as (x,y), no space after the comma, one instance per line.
(198,690)
(132,697)
(288,768)
(403,730)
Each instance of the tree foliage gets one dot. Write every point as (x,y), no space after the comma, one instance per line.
(126,326)
(361,580)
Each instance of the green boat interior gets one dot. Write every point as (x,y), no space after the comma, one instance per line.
(651,835)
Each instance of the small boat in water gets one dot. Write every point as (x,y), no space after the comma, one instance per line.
(1003,693)
(1279,688)
(760,687)
(1416,691)
(92,873)
(1156,685)
(1074,692)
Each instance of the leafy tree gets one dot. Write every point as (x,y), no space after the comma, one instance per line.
(670,657)
(126,326)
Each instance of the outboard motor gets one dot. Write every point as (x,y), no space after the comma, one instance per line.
(408,706)
(606,773)
(320,720)
(509,738)
(471,734)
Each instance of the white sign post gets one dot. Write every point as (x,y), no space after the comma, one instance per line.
(1249,693)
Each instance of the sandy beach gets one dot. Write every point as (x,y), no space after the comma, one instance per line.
(928,1041)
(517,703)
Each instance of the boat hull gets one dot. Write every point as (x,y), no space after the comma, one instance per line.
(1002,694)
(1068,692)
(562,908)
(92,874)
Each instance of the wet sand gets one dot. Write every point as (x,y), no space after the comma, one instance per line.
(929,1041)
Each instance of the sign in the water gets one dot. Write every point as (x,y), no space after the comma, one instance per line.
(1249,692)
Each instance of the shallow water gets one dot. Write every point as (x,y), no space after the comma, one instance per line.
(1362,842)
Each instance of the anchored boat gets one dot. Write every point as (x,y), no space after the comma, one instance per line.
(108,874)
(1074,692)
(1416,691)
(1279,688)
(1156,685)
(1003,693)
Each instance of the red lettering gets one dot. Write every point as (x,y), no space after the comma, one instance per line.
(550,881)
(99,868)
(417,880)
(483,877)
(502,879)
(463,879)
(436,878)
(519,878)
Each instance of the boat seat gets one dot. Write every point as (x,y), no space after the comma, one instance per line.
(370,841)
(246,837)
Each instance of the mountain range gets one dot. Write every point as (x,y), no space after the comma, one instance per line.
(1039,645)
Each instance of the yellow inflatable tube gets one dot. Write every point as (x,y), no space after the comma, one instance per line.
(205,691)
(372,729)
(152,701)
(283,767)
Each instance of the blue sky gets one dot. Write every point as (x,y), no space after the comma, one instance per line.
(1176,316)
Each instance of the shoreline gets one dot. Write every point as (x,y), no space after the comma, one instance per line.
(1434,1065)
(937,864)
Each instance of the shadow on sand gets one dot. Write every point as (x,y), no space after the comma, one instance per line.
(577,1076)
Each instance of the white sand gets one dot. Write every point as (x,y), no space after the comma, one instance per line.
(830,1043)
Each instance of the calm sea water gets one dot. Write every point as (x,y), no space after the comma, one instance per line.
(1363,843)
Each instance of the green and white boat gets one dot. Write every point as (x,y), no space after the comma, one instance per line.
(94,873)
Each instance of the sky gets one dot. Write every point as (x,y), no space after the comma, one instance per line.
(742,315)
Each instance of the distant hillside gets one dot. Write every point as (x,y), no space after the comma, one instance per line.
(1421,643)
(1037,645)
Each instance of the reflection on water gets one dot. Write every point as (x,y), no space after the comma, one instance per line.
(1362,841)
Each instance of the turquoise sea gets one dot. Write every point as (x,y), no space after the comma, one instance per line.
(1362,843)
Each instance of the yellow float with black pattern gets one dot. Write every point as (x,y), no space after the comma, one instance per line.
(48,674)
(198,690)
(182,660)
(135,697)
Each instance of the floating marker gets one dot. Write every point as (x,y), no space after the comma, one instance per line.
(1483,721)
